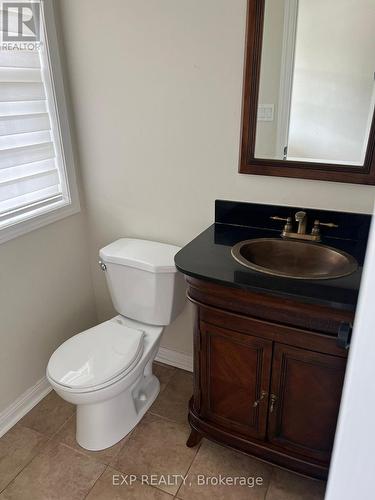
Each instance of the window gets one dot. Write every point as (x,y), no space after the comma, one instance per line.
(37,181)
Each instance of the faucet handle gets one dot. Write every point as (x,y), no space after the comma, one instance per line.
(326,224)
(276,217)
(316,229)
(288,228)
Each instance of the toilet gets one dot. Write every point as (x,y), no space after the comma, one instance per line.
(107,370)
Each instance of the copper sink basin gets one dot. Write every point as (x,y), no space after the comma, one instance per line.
(294,259)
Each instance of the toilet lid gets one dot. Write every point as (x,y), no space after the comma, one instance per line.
(96,356)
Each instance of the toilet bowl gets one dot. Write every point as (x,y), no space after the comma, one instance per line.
(107,370)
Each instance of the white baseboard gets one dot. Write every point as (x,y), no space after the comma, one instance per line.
(174,358)
(22,405)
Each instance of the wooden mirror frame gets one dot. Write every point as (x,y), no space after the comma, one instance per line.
(284,168)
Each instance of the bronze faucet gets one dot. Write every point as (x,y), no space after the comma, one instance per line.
(301,218)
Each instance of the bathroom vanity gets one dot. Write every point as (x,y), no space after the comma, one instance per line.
(270,352)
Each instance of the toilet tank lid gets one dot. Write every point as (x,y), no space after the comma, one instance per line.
(141,254)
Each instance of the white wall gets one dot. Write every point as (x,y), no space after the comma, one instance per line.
(352,466)
(46,296)
(157,90)
(333,80)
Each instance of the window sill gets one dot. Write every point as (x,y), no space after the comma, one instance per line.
(38,221)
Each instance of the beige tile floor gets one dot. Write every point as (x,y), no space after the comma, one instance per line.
(40,460)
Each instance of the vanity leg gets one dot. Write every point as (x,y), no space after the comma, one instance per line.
(194,438)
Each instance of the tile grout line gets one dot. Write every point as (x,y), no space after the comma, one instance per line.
(52,436)
(169,380)
(95,482)
(190,466)
(49,438)
(159,490)
(126,439)
(269,483)
(175,422)
(139,481)
(54,433)
(155,487)
(110,464)
(166,418)
(83,452)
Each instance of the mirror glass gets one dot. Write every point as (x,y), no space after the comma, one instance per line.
(317,87)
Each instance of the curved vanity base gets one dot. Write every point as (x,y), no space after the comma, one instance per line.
(218,434)
(263,385)
(194,438)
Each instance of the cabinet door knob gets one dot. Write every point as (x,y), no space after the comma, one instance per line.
(263,394)
(273,402)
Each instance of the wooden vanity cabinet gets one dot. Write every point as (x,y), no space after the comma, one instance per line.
(271,389)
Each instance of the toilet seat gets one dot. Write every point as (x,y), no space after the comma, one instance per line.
(96,357)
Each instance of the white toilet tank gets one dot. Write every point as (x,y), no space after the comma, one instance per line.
(143,281)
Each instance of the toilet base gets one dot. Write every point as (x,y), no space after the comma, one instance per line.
(106,414)
(102,425)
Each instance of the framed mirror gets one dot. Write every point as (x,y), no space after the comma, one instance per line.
(309,90)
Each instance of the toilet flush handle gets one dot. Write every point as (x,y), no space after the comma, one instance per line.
(103,267)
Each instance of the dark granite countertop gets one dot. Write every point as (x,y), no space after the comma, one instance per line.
(208,256)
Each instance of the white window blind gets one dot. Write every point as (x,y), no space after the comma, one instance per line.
(32,170)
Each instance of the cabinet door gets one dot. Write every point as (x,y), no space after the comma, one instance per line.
(304,402)
(235,380)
